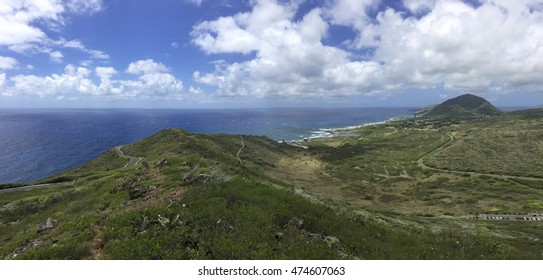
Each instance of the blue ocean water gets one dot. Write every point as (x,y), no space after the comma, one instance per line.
(35,144)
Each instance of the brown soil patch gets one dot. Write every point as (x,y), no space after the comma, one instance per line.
(97,242)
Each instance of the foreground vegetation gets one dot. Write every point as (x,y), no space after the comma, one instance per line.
(246,197)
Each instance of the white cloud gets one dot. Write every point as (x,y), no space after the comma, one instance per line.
(76,44)
(15,21)
(26,25)
(105,73)
(2,79)
(500,42)
(154,84)
(71,81)
(497,45)
(290,58)
(145,67)
(85,6)
(230,37)
(7,62)
(419,6)
(246,32)
(108,86)
(351,12)
(195,2)
(152,81)
(56,56)
(18,19)
(194,90)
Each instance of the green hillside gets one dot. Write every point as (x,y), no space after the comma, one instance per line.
(464,105)
(196,196)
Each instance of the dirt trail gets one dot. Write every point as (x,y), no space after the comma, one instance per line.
(133,161)
(97,242)
(240,149)
(421,163)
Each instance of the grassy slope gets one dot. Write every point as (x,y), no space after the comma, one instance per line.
(192,198)
(505,146)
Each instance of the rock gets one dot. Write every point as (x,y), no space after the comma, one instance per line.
(278,235)
(341,212)
(22,249)
(137,192)
(50,223)
(314,236)
(300,223)
(144,224)
(165,222)
(295,222)
(332,241)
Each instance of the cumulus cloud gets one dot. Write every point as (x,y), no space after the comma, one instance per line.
(495,45)
(289,56)
(195,90)
(74,79)
(146,67)
(152,80)
(105,73)
(26,24)
(17,18)
(107,86)
(419,6)
(7,62)
(351,12)
(56,56)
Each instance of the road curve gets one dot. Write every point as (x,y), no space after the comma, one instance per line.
(27,188)
(421,163)
(240,149)
(133,160)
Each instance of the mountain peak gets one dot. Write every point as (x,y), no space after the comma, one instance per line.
(464,105)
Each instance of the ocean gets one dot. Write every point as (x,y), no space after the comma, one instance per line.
(38,143)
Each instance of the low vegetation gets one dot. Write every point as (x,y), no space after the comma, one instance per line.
(199,196)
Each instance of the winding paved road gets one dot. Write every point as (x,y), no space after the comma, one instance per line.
(28,188)
(133,160)
(421,163)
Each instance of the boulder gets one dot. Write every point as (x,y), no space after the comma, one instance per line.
(50,223)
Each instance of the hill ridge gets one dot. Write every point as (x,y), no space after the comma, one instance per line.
(464,105)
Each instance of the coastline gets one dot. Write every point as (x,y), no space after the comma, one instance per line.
(35,147)
(346,131)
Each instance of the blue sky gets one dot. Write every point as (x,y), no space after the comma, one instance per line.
(268,53)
